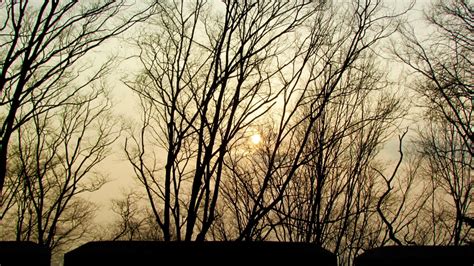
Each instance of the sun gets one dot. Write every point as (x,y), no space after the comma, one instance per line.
(256,138)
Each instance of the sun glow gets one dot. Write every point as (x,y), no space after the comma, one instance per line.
(256,138)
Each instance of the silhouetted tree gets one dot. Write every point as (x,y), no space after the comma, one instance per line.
(443,65)
(390,213)
(42,46)
(208,74)
(53,161)
(321,114)
(135,221)
(331,196)
(203,95)
(428,197)
(447,165)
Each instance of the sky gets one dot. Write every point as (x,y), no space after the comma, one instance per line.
(120,173)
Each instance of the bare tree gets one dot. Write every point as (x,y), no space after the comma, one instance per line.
(427,200)
(53,161)
(399,206)
(336,73)
(42,46)
(443,64)
(202,96)
(208,75)
(135,221)
(448,169)
(331,199)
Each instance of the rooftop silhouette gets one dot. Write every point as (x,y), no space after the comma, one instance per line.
(417,255)
(14,253)
(199,253)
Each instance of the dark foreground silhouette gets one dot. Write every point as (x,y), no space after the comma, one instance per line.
(13,253)
(198,253)
(417,255)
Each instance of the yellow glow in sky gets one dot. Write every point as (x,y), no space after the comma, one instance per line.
(256,138)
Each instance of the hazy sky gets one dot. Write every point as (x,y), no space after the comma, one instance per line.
(119,169)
